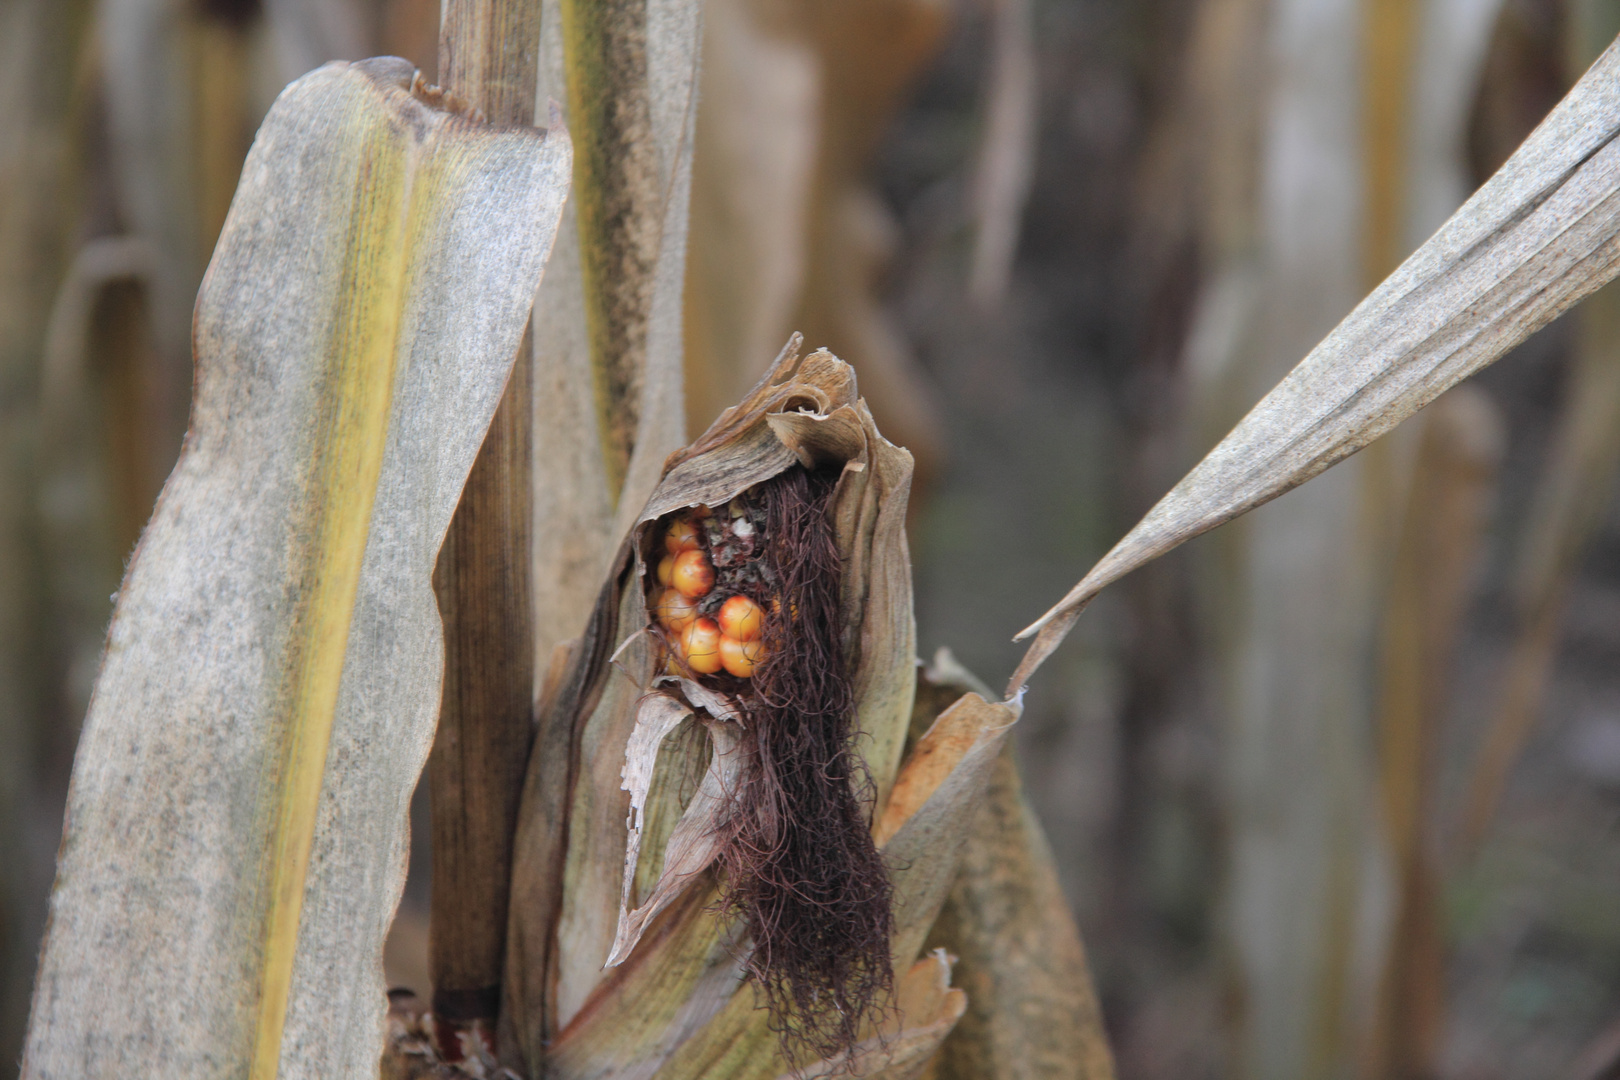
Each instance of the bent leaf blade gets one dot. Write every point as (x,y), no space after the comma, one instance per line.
(237,828)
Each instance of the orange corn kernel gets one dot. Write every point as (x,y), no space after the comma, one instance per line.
(741,618)
(700,644)
(740,657)
(666,569)
(692,573)
(675,611)
(682,536)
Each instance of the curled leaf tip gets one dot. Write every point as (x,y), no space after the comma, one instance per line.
(788,361)
(1053,627)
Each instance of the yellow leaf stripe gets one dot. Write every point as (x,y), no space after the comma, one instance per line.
(343,486)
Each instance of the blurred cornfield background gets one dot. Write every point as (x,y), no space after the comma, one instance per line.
(1334,791)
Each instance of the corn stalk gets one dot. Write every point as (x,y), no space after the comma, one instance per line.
(487,58)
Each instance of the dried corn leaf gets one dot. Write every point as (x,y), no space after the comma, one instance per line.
(1535,240)
(237,821)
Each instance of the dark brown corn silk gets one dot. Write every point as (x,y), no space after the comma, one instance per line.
(801,869)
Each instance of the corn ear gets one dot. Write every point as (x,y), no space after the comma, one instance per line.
(804,410)
(271,677)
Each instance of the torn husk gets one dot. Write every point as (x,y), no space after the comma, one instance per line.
(706,756)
